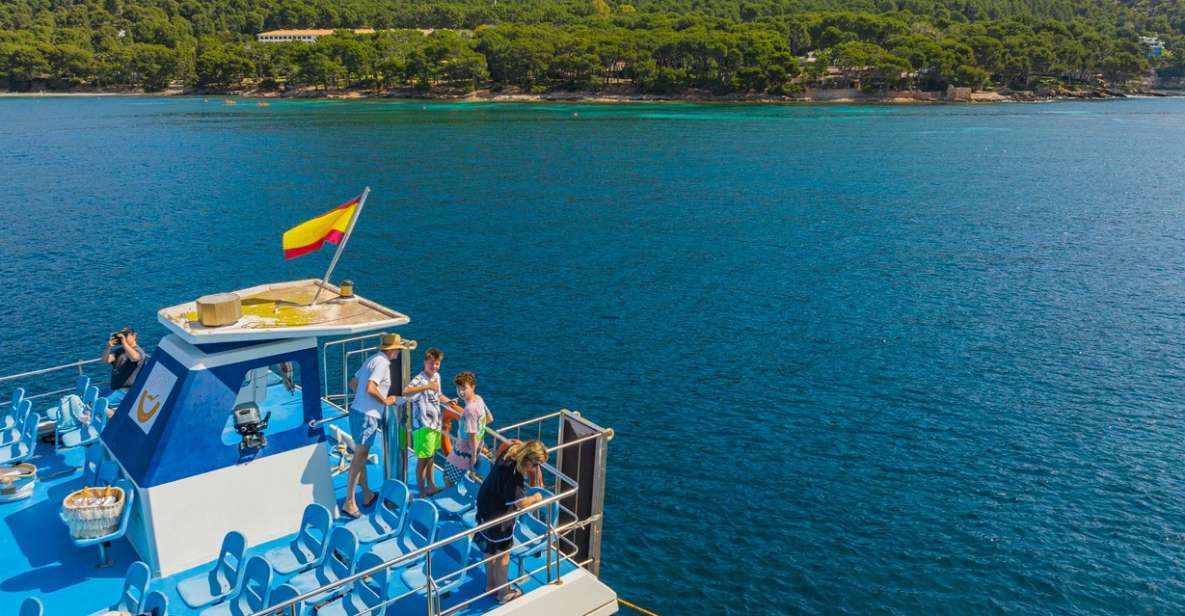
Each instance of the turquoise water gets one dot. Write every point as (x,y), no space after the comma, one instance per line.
(859,359)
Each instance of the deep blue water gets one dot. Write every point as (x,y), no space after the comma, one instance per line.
(858,359)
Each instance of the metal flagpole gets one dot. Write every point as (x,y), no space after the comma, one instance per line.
(341,246)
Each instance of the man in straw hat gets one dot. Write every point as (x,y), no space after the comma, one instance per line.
(365,413)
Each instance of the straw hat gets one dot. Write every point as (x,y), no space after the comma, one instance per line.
(390,341)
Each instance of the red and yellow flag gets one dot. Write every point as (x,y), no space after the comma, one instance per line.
(328,227)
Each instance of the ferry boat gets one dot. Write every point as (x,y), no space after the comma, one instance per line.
(214,487)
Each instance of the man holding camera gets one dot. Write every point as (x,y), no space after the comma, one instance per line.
(125,358)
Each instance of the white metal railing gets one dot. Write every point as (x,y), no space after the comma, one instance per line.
(558,546)
(43,376)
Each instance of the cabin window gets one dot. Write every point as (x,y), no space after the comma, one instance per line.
(275,388)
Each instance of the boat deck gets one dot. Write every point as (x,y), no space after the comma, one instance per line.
(40,559)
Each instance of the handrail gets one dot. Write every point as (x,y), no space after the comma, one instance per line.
(546,465)
(539,419)
(75,364)
(415,554)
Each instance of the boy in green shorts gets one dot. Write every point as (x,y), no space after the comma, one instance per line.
(424,393)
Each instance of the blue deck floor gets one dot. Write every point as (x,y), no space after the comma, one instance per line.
(40,559)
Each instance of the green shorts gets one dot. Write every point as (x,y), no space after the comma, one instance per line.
(425,441)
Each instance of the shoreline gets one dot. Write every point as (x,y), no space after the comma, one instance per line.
(824,97)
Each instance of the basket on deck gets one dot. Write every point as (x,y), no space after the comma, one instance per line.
(93,512)
(16,482)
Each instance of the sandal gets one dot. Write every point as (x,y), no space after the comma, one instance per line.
(510,595)
(373,497)
(355,514)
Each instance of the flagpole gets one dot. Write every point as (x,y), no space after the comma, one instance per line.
(342,245)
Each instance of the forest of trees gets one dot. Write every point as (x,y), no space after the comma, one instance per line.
(649,46)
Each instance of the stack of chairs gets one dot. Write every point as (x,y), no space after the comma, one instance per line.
(322,552)
(18,442)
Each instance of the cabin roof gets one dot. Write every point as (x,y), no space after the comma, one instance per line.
(283,310)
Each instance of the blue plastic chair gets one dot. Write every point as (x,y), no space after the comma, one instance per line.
(104,541)
(216,584)
(135,590)
(83,433)
(155,604)
(447,562)
(419,531)
(386,519)
(366,594)
(340,557)
(253,594)
(31,606)
(455,501)
(308,547)
(22,449)
(284,593)
(18,396)
(14,422)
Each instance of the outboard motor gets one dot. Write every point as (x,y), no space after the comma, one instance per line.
(250,426)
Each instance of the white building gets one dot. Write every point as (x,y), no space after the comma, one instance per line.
(304,36)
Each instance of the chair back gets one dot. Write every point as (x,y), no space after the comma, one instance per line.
(452,556)
(155,604)
(31,606)
(421,522)
(99,414)
(341,554)
(21,410)
(229,568)
(29,430)
(129,501)
(135,586)
(80,384)
(372,589)
(314,529)
(18,395)
(257,585)
(89,396)
(90,466)
(392,504)
(286,592)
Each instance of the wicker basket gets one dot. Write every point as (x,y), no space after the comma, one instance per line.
(16,482)
(93,512)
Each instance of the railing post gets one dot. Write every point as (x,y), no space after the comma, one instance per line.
(401,444)
(551,547)
(428,575)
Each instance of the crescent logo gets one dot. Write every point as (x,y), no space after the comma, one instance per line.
(142,415)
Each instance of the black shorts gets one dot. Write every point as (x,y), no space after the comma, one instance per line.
(493,544)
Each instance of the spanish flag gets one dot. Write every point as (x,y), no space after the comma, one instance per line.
(328,227)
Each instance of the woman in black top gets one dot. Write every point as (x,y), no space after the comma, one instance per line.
(500,493)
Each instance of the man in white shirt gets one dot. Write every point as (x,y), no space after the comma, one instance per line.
(371,385)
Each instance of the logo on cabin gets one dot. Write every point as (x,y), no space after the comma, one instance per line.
(142,415)
(153,396)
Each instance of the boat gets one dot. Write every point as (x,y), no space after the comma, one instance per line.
(214,486)
(229,101)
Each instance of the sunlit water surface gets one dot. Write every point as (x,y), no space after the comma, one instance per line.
(858,359)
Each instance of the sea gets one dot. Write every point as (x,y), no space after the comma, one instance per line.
(858,359)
